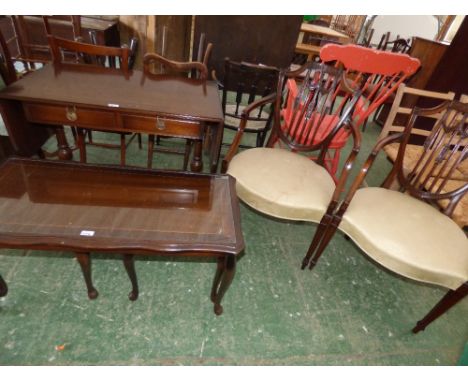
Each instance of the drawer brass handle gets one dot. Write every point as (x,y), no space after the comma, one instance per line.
(160,124)
(71,113)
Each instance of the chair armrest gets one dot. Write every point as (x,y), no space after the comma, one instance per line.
(357,183)
(240,130)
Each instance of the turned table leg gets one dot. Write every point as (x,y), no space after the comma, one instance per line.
(85,263)
(3,287)
(227,275)
(129,264)
(64,150)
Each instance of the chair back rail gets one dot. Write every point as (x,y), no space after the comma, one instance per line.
(87,54)
(392,124)
(445,149)
(169,66)
(249,81)
(377,73)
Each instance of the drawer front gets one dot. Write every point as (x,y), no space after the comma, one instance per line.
(69,115)
(162,126)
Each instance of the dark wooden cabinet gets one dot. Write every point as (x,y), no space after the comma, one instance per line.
(268,40)
(451,72)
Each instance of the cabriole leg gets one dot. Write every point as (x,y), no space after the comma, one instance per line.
(226,279)
(85,263)
(130,268)
(217,278)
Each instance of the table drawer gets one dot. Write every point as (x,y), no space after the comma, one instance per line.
(162,126)
(69,115)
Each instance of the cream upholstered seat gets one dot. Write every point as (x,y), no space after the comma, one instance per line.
(401,229)
(407,236)
(281,183)
(285,183)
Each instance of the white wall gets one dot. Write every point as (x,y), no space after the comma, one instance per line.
(405,26)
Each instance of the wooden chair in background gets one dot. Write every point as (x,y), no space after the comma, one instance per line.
(29,37)
(67,54)
(243,83)
(402,231)
(395,123)
(378,73)
(7,68)
(282,182)
(155,65)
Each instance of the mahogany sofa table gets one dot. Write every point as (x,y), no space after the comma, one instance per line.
(110,101)
(69,206)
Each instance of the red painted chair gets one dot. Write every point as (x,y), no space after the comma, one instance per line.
(377,73)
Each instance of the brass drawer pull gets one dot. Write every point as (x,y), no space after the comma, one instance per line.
(160,124)
(71,113)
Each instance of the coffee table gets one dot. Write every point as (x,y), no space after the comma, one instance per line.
(67,206)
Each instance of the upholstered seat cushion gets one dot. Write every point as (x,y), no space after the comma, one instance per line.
(283,184)
(408,236)
(232,121)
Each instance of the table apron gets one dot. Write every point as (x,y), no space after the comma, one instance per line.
(111,120)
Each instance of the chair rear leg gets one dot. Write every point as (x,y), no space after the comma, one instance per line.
(449,300)
(188,148)
(140,144)
(123,149)
(150,150)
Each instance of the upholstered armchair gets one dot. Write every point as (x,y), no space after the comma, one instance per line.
(408,230)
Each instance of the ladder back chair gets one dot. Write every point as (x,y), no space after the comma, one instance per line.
(74,55)
(163,66)
(284,183)
(395,122)
(243,83)
(407,230)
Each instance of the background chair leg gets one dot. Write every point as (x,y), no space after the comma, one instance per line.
(188,148)
(449,300)
(123,149)
(140,145)
(150,150)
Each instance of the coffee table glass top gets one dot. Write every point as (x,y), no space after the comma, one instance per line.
(106,207)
